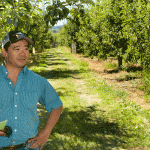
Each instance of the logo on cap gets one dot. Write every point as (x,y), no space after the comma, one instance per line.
(17,34)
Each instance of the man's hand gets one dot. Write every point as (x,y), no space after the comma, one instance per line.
(43,135)
(2,133)
(40,139)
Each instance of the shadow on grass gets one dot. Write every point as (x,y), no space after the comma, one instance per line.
(65,92)
(59,59)
(50,61)
(134,68)
(112,71)
(127,78)
(129,69)
(52,64)
(83,126)
(36,58)
(79,126)
(57,74)
(50,56)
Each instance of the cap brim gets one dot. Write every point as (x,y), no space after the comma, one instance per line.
(28,40)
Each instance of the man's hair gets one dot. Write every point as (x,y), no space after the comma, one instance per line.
(6,46)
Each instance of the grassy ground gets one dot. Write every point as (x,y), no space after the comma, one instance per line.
(95,116)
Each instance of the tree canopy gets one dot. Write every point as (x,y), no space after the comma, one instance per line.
(27,17)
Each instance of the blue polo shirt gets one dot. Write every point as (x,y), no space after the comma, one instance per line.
(18,104)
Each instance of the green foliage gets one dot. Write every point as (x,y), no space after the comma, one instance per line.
(112,28)
(63,37)
(25,17)
(58,10)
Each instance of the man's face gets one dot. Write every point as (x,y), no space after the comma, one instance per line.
(18,53)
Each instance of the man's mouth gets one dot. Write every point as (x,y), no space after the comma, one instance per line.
(22,59)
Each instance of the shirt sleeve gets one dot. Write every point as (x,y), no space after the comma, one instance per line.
(50,98)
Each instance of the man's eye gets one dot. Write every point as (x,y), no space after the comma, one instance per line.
(27,49)
(17,49)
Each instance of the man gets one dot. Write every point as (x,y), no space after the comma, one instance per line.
(20,90)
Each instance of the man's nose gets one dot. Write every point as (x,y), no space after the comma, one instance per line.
(22,52)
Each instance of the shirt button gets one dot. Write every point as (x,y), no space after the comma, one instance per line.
(16,93)
(15,117)
(9,82)
(14,142)
(15,105)
(6,72)
(15,130)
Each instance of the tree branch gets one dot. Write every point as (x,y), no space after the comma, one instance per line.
(13,4)
(18,3)
(33,9)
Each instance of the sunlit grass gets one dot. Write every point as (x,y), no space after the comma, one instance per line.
(110,65)
(113,123)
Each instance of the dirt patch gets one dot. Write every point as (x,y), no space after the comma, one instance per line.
(81,87)
(83,95)
(113,79)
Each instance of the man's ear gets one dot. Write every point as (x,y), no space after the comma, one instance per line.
(4,53)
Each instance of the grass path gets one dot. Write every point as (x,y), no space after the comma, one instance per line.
(95,116)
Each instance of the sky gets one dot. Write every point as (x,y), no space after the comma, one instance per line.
(61,22)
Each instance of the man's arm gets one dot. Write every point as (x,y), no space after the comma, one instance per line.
(44,134)
(53,118)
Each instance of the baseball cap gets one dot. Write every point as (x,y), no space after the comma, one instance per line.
(14,36)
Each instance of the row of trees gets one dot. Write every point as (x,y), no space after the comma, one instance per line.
(118,28)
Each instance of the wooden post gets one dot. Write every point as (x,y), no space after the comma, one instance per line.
(119,62)
(73,48)
(33,50)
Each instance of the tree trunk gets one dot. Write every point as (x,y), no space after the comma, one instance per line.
(33,50)
(119,61)
(73,48)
